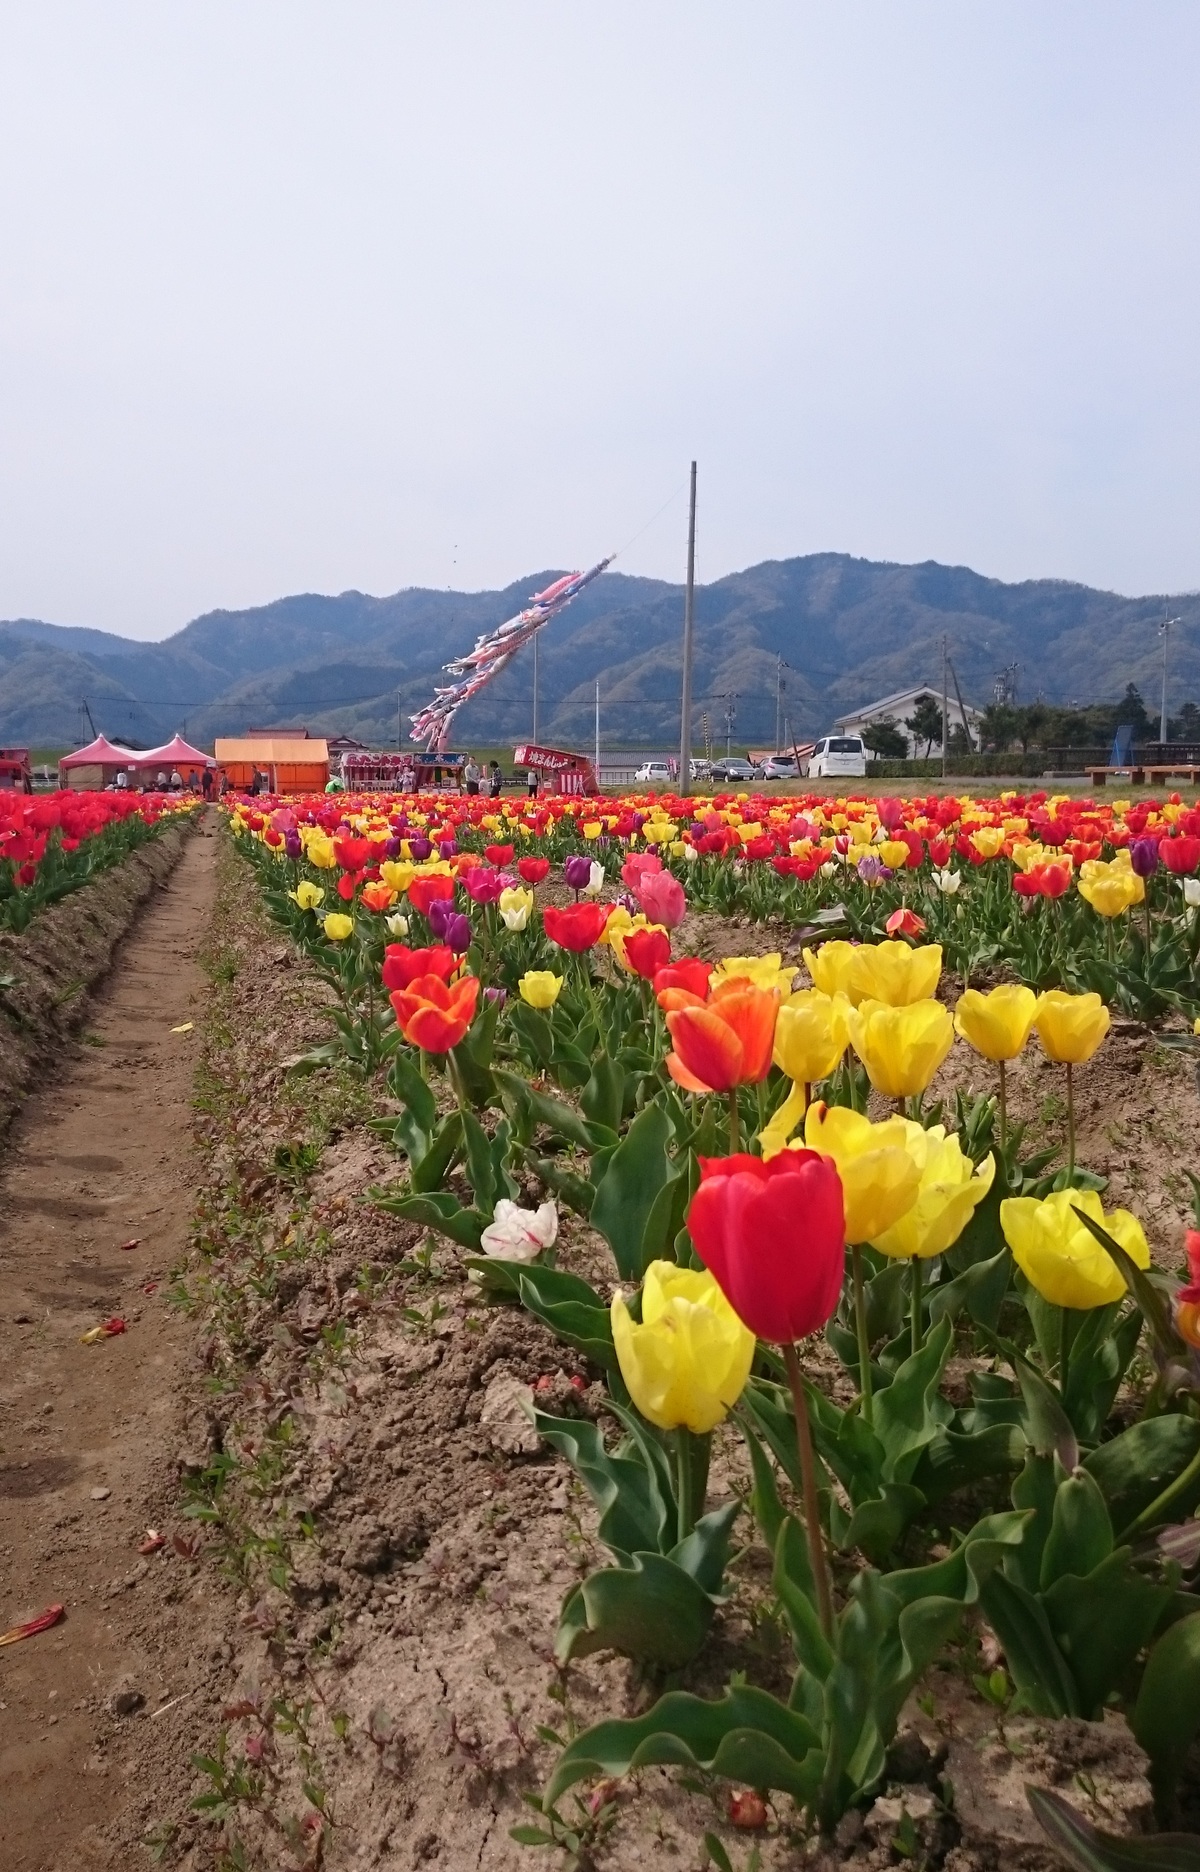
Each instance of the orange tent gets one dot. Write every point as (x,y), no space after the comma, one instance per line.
(292,764)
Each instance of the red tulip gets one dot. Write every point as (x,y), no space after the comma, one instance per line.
(577,926)
(426,890)
(533,870)
(352,853)
(1180,855)
(689,973)
(772,1235)
(905,923)
(499,855)
(647,952)
(726,1043)
(402,965)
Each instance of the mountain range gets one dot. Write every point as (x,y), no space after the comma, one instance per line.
(849,631)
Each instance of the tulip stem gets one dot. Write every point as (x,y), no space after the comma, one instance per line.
(860,1327)
(684,1482)
(1070,1125)
(1003,1106)
(1146,912)
(735,1134)
(1066,1332)
(915,1299)
(818,1559)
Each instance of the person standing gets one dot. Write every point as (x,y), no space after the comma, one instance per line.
(495,780)
(471,775)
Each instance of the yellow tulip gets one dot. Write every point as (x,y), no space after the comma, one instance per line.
(1070,1026)
(880,1177)
(397,875)
(810,1034)
(515,907)
(338,927)
(689,1359)
(620,925)
(894,854)
(996,1024)
(1110,888)
(764,971)
(540,987)
(988,840)
(831,967)
(1062,1258)
(901,1047)
(950,1189)
(307,895)
(896,973)
(319,851)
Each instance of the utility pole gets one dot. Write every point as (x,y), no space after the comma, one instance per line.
(399,721)
(689,603)
(535,686)
(779,688)
(1162,718)
(730,718)
(597,731)
(945,705)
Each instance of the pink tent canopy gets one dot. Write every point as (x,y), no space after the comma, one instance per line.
(100,753)
(175,753)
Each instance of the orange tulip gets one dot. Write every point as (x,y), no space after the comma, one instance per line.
(434,1015)
(728,1042)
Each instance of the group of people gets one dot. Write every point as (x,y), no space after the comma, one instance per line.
(130,781)
(473,778)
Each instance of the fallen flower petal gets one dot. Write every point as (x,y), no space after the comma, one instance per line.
(185,1028)
(747,1810)
(135,1243)
(153,1541)
(33,1626)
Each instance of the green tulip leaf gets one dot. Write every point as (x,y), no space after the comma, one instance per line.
(651,1610)
(954,1459)
(633,1515)
(909,1412)
(1038,1667)
(440,1211)
(572,1310)
(980,1288)
(1153,1301)
(430,1173)
(406,1084)
(1135,1468)
(1081,1535)
(704,1553)
(874,1527)
(626,1194)
(1086,1849)
(1166,1717)
(1100,1623)
(603,1097)
(746,1736)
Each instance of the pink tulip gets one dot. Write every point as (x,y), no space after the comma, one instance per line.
(637,866)
(661,897)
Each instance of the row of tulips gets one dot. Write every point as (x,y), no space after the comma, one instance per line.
(51,844)
(766,1161)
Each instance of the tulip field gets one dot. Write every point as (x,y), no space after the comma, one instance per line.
(792,1169)
(51,846)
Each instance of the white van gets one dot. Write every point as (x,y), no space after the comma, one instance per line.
(838,757)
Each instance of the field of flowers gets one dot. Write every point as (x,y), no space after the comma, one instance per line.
(1013,1434)
(52,844)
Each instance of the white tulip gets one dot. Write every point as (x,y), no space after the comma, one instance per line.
(397,925)
(516,1234)
(516,919)
(948,882)
(1191,892)
(595,883)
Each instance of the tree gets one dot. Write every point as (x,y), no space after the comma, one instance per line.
(1132,709)
(958,742)
(1186,725)
(1001,726)
(925,723)
(886,741)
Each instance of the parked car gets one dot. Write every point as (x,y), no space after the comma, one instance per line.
(838,757)
(655,772)
(781,767)
(733,768)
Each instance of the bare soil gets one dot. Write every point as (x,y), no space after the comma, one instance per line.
(88,1433)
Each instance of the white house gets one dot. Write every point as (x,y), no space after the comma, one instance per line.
(897,709)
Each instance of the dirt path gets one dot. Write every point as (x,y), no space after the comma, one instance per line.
(88,1433)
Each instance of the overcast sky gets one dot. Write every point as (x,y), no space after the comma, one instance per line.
(315,296)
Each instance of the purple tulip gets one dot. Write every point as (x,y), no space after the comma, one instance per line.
(1143,857)
(438,915)
(577,872)
(447,847)
(292,845)
(457,935)
(392,847)
(420,849)
(497,995)
(872,870)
